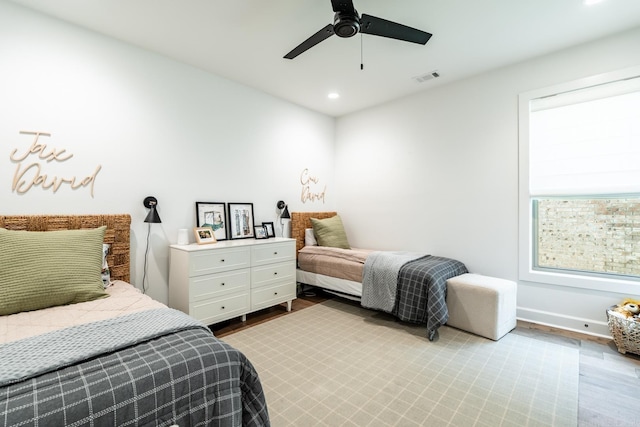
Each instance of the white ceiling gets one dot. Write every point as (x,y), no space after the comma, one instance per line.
(245,40)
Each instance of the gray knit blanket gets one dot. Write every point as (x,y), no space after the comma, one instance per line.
(380,278)
(24,359)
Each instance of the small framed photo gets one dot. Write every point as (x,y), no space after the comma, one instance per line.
(214,215)
(241,220)
(260,232)
(270,230)
(204,235)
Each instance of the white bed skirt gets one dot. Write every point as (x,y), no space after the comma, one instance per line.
(329,283)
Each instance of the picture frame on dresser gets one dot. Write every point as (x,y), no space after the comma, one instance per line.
(204,235)
(270,229)
(260,232)
(241,221)
(214,215)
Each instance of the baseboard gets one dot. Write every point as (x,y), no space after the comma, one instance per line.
(569,323)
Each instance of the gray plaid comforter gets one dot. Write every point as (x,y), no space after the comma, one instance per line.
(183,376)
(420,291)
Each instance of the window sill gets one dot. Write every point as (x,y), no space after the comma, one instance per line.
(620,286)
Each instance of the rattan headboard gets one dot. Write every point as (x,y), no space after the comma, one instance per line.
(301,221)
(117,234)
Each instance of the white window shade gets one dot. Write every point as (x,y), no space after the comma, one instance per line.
(586,142)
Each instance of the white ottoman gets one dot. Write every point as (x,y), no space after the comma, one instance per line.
(482,305)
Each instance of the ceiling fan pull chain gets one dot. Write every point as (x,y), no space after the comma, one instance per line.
(361,60)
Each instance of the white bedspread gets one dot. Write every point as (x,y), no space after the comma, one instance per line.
(123,299)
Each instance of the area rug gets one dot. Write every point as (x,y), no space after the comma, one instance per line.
(337,364)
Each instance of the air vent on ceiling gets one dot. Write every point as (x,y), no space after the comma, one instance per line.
(429,76)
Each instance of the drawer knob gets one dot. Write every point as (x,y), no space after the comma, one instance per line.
(222,260)
(275,253)
(222,284)
(275,293)
(275,273)
(222,307)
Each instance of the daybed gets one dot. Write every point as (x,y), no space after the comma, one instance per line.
(75,352)
(411,286)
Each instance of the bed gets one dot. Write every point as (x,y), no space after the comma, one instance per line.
(116,357)
(411,286)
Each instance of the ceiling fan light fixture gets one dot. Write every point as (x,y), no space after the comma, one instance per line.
(333,95)
(346,25)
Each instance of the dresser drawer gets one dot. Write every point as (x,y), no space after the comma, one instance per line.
(215,261)
(271,295)
(273,274)
(272,252)
(215,285)
(219,309)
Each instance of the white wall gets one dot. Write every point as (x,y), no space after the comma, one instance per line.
(155,126)
(438,172)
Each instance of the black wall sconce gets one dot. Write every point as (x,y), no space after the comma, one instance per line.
(151,203)
(284,210)
(284,214)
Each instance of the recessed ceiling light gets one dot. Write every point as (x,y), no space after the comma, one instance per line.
(333,95)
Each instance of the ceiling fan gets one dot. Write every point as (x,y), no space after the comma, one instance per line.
(347,23)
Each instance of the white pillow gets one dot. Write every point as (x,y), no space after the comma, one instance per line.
(106,273)
(309,238)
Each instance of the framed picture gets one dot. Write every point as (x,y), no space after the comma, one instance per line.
(204,235)
(270,230)
(260,232)
(214,215)
(241,220)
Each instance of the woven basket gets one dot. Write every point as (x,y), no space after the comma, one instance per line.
(625,332)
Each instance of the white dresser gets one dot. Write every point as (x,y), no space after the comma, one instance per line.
(231,278)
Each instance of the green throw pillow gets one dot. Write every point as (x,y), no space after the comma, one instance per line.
(330,232)
(40,269)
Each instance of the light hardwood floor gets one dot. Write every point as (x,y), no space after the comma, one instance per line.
(609,383)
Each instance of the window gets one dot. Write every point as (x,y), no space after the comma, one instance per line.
(580,183)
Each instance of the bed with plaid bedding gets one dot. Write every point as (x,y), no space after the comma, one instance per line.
(130,372)
(420,290)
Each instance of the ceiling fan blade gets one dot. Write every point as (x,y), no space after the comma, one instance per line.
(343,6)
(383,28)
(321,35)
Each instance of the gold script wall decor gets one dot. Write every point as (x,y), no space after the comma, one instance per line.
(31,175)
(308,193)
